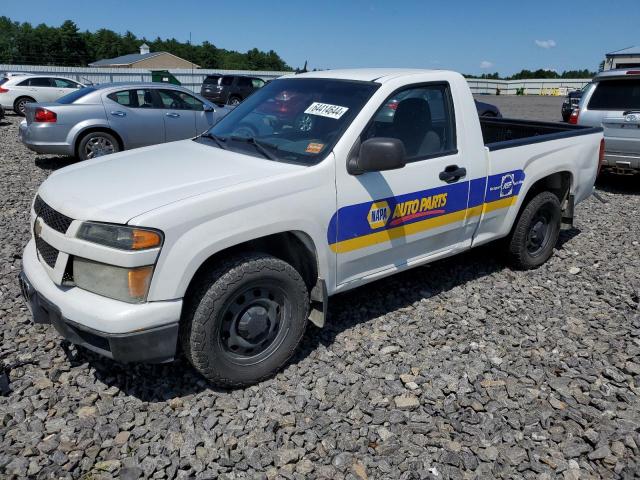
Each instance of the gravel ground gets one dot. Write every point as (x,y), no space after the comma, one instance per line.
(461,369)
(529,106)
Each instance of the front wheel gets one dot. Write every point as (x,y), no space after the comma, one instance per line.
(536,232)
(244,319)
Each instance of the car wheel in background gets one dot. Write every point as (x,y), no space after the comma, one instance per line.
(234,101)
(244,319)
(20,105)
(97,144)
(489,114)
(536,232)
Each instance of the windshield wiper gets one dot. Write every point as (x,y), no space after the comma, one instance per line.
(259,146)
(219,140)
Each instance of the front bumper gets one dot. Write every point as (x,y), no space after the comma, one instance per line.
(44,139)
(145,332)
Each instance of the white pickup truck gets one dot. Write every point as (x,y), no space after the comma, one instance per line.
(224,246)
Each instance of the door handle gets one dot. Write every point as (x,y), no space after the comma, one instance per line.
(453,173)
(172,114)
(118,113)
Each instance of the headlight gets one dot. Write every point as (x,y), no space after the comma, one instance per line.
(126,284)
(120,236)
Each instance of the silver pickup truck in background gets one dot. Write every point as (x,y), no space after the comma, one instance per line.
(612,101)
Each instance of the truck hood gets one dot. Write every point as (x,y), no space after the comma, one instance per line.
(118,187)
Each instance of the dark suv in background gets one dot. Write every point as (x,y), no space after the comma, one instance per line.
(229,89)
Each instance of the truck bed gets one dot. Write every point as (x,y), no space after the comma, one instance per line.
(499,133)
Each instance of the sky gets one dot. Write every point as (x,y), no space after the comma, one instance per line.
(475,37)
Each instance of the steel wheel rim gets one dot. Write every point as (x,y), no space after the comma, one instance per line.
(234,101)
(254,322)
(98,146)
(539,233)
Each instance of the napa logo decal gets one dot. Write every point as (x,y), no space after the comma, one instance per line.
(378,214)
(420,207)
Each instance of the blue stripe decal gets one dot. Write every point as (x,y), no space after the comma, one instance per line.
(361,219)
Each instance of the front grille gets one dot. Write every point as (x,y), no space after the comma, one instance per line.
(47,252)
(54,219)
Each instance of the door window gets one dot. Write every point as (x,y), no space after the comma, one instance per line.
(39,82)
(422,117)
(244,82)
(139,98)
(64,83)
(257,82)
(226,81)
(180,100)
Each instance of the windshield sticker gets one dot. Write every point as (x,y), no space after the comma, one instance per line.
(314,147)
(326,110)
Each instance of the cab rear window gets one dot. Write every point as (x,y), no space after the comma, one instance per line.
(616,95)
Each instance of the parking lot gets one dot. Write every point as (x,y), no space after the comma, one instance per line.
(460,369)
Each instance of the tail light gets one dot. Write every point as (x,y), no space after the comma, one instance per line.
(573,119)
(601,156)
(45,116)
(3,90)
(393,105)
(633,72)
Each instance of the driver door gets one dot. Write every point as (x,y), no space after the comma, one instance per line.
(388,219)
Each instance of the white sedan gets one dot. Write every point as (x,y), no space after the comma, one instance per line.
(18,90)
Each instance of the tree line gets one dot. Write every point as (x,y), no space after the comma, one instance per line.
(66,45)
(540,73)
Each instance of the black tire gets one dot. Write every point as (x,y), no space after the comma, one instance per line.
(536,232)
(489,114)
(234,100)
(20,104)
(244,319)
(97,144)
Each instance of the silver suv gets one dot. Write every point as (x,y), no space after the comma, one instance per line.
(612,101)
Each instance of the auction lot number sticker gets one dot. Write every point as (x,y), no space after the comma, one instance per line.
(326,110)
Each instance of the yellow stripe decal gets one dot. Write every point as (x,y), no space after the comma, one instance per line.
(417,227)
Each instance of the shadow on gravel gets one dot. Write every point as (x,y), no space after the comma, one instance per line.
(402,290)
(611,183)
(159,383)
(54,163)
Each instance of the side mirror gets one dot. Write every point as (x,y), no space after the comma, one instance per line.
(378,154)
(208,108)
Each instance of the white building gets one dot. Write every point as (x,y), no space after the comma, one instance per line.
(626,58)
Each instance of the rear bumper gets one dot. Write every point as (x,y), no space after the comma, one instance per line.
(43,140)
(621,162)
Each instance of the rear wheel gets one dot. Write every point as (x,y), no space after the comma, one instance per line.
(234,100)
(244,319)
(20,105)
(97,144)
(536,232)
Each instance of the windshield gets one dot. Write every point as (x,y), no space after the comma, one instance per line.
(295,120)
(73,96)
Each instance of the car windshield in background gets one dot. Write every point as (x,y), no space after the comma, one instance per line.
(75,96)
(292,120)
(616,95)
